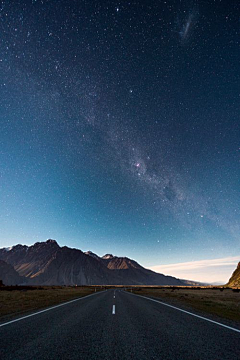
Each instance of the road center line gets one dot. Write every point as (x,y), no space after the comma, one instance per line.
(51,308)
(189,313)
(113,310)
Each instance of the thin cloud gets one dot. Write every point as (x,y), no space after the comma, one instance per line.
(210,270)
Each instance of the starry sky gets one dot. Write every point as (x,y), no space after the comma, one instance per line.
(119,127)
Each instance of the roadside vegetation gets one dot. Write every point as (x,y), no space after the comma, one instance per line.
(221,301)
(17,300)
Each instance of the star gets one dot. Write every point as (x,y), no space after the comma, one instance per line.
(126,117)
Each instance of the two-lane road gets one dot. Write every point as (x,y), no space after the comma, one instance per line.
(117,325)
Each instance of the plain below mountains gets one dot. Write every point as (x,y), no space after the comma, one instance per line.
(46,263)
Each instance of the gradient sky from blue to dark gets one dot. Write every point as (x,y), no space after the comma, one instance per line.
(119,127)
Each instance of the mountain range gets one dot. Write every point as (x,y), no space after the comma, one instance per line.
(8,275)
(46,263)
(234,280)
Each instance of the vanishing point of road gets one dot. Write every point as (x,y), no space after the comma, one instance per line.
(116,325)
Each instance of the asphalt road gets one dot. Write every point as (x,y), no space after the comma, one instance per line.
(135,328)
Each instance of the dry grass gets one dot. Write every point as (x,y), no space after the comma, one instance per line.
(224,303)
(16,302)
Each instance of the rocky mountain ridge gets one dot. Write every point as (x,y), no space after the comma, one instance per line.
(234,280)
(9,275)
(46,263)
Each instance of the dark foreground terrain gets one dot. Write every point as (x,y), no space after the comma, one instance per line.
(17,300)
(220,301)
(115,324)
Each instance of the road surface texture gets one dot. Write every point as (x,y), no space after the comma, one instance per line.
(117,325)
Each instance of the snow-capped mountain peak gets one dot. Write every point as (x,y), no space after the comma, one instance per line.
(90,253)
(8,248)
(107,256)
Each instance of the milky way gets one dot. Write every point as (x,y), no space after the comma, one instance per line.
(120,127)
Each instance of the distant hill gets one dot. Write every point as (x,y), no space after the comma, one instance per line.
(46,263)
(9,275)
(235,278)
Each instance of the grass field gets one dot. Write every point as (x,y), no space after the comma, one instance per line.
(222,302)
(16,302)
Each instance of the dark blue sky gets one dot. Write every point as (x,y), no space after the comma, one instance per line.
(120,127)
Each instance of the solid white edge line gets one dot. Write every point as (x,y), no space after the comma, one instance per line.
(48,309)
(113,310)
(187,312)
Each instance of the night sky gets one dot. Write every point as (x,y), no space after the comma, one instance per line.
(119,127)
